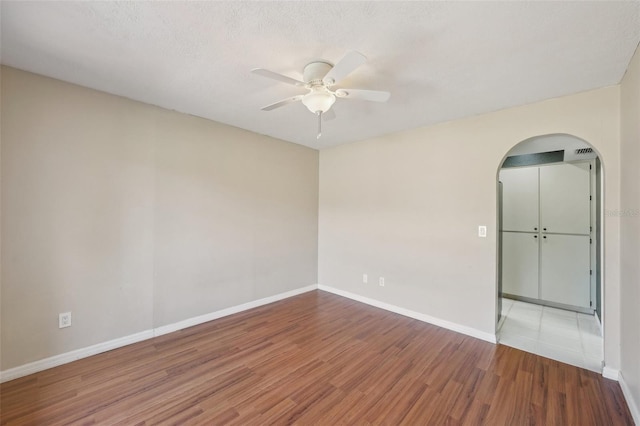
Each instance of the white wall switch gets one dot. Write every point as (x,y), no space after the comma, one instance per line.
(64,320)
(381,281)
(482,231)
(365,278)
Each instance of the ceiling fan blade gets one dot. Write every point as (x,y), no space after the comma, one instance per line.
(276,76)
(365,95)
(283,103)
(344,67)
(329,115)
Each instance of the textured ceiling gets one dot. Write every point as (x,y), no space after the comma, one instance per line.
(440,60)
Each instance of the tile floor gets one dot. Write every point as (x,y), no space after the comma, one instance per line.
(565,336)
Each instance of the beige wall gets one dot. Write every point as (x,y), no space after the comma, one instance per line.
(407,207)
(133,217)
(235,219)
(630,228)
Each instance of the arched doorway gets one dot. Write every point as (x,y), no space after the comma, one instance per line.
(550,236)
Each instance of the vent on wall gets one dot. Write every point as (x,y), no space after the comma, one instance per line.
(533,159)
(582,151)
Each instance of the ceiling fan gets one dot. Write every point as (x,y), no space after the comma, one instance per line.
(319,78)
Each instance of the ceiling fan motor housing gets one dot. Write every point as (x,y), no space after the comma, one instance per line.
(315,71)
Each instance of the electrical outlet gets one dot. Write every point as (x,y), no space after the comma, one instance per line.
(381,281)
(365,278)
(64,320)
(482,231)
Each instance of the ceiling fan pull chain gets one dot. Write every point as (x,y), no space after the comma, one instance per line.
(319,124)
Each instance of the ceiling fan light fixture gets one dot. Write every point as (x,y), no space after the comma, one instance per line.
(318,100)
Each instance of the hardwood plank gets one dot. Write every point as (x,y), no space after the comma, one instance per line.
(316,358)
(468,393)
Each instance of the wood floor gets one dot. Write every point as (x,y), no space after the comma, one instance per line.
(314,359)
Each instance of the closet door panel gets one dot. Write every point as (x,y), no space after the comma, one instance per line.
(520,264)
(564,266)
(519,199)
(564,198)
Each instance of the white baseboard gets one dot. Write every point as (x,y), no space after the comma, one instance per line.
(67,357)
(56,360)
(230,311)
(631,403)
(610,373)
(469,331)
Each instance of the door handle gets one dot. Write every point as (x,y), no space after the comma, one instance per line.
(535,236)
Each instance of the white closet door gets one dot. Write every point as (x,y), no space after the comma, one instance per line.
(520,264)
(564,266)
(564,198)
(519,199)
